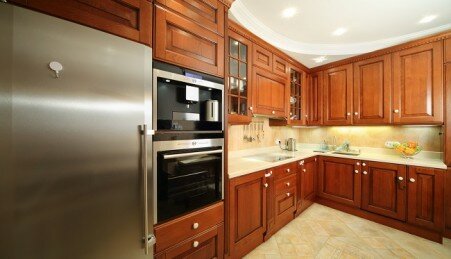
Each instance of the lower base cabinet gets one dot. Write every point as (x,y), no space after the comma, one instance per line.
(306,183)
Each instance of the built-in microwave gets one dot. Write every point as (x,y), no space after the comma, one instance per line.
(187,175)
(187,101)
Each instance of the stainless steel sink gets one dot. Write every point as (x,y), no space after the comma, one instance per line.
(349,153)
(271,157)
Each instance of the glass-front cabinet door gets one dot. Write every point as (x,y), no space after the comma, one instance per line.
(238,92)
(297,97)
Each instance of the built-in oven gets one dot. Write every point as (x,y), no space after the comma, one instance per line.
(188,174)
(187,101)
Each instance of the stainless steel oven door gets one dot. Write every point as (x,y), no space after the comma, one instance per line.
(187,175)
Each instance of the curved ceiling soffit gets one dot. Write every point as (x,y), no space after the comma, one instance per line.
(248,20)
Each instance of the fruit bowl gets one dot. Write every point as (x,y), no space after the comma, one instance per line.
(408,149)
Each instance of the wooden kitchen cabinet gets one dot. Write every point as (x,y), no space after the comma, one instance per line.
(418,84)
(247,213)
(239,92)
(306,183)
(339,180)
(338,95)
(384,189)
(372,91)
(270,203)
(315,99)
(182,41)
(447,48)
(269,93)
(262,57)
(279,66)
(125,18)
(426,197)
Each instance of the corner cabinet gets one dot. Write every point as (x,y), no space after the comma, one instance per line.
(247,213)
(418,84)
(297,99)
(315,99)
(306,183)
(239,70)
(338,95)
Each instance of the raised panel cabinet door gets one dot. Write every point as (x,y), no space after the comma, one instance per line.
(207,13)
(131,19)
(447,153)
(426,197)
(280,66)
(183,42)
(447,50)
(315,99)
(384,189)
(308,181)
(270,203)
(208,245)
(247,213)
(338,95)
(339,180)
(372,91)
(418,85)
(285,206)
(262,57)
(269,93)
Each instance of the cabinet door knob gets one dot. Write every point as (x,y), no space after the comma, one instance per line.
(412,180)
(400,178)
(268,174)
(396,111)
(291,113)
(363,164)
(358,163)
(288,170)
(304,170)
(273,112)
(348,113)
(356,113)
(301,162)
(195,225)
(288,194)
(250,108)
(288,183)
(365,172)
(266,185)
(306,116)
(195,243)
(356,171)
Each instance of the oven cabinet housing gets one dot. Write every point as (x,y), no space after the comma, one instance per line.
(247,213)
(196,235)
(190,34)
(306,177)
(128,19)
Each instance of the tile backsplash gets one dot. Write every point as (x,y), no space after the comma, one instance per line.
(364,136)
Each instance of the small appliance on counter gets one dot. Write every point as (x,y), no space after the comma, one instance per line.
(290,145)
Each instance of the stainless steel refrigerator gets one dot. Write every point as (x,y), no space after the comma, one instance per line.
(73,151)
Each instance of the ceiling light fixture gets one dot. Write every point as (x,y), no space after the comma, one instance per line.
(428,18)
(320,59)
(339,31)
(289,12)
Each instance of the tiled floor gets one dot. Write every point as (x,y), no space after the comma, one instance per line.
(322,232)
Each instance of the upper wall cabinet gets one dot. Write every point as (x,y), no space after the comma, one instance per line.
(180,40)
(418,84)
(269,93)
(372,91)
(125,18)
(448,50)
(338,95)
(262,57)
(297,100)
(315,99)
(239,91)
(279,66)
(207,13)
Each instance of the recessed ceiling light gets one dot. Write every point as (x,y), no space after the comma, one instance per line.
(289,12)
(428,18)
(320,59)
(339,31)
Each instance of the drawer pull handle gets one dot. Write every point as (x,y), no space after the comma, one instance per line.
(304,170)
(268,174)
(288,170)
(400,178)
(396,111)
(365,172)
(412,180)
(358,163)
(364,164)
(301,162)
(356,171)
(288,183)
(288,194)
(195,243)
(195,225)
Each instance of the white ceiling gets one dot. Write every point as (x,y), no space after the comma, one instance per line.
(370,24)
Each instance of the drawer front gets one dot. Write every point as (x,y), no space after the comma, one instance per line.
(177,230)
(209,244)
(285,184)
(285,201)
(185,43)
(283,171)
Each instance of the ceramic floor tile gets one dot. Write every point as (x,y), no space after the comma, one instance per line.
(322,232)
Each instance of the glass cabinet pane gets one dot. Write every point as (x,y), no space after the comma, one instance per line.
(243,70)
(233,63)
(233,105)
(243,106)
(233,48)
(233,86)
(243,52)
(243,87)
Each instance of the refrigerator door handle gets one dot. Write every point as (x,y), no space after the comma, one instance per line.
(149,239)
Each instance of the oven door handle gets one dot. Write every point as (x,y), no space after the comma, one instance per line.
(193,154)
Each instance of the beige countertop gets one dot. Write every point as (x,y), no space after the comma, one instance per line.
(242,162)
